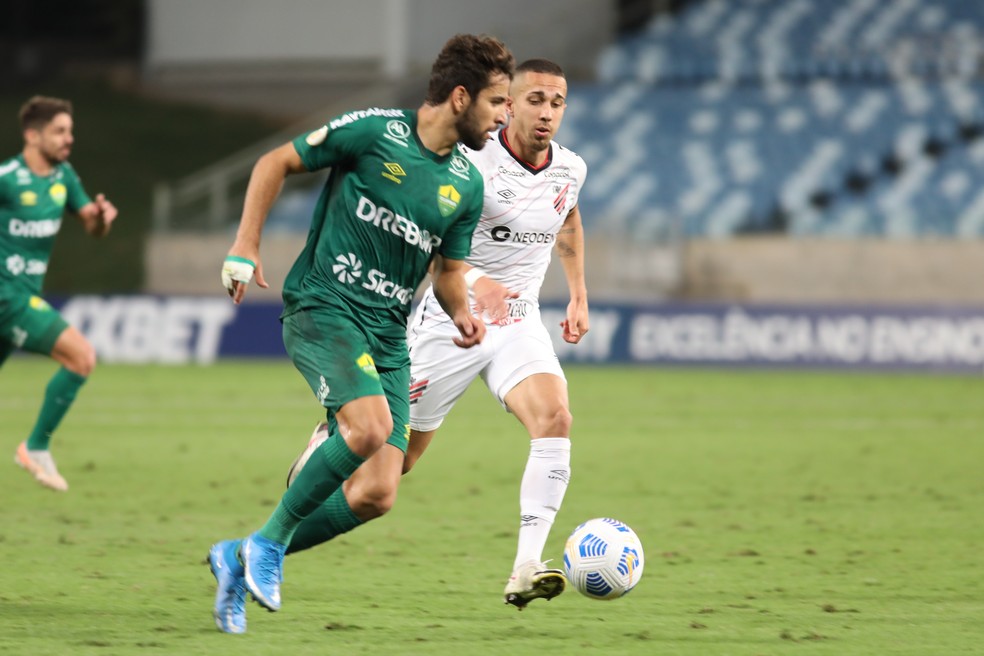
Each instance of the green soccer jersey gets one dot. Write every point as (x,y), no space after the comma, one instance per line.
(388,207)
(31,210)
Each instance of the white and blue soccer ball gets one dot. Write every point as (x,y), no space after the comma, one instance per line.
(603,558)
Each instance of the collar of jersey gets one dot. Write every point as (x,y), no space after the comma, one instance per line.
(522,162)
(424,150)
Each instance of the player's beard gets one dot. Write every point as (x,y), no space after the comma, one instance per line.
(469,132)
(54,156)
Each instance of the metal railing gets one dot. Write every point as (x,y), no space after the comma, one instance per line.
(210,199)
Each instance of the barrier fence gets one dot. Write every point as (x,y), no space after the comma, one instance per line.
(155,329)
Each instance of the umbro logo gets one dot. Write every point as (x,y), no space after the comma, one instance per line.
(393,172)
(560,475)
(507,194)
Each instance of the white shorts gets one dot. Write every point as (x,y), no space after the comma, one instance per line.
(440,371)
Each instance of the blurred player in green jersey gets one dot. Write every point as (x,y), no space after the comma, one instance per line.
(36,187)
(401,197)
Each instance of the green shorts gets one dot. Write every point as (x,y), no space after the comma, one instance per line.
(28,322)
(337,359)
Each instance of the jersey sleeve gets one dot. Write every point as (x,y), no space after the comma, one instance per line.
(336,146)
(457,240)
(75,196)
(580,170)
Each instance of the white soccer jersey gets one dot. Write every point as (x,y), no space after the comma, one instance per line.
(524,208)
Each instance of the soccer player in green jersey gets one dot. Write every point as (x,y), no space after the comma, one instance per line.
(401,197)
(35,189)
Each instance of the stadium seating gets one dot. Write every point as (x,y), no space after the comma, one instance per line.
(835,118)
(859,117)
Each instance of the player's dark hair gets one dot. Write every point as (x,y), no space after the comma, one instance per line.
(469,61)
(540,66)
(41,110)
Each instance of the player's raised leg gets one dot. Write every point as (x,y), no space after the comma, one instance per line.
(78,359)
(368,494)
(364,424)
(540,403)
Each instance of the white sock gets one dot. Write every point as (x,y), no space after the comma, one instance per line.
(548,470)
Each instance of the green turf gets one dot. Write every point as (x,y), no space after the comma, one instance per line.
(782,513)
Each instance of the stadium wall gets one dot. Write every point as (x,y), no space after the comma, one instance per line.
(175,329)
(858,271)
(393,36)
(746,270)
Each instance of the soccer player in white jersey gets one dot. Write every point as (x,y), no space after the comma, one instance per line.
(530,207)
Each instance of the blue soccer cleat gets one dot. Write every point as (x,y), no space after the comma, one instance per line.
(230,593)
(264,561)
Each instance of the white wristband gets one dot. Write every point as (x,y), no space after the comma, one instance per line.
(472,276)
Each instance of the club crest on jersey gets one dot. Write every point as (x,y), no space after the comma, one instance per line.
(58,193)
(448,199)
(393,172)
(459,167)
(560,200)
(28,199)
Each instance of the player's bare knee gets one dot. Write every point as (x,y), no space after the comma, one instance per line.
(374,500)
(556,423)
(369,434)
(82,361)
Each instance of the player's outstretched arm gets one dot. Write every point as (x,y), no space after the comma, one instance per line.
(265,185)
(570,249)
(451,291)
(98,216)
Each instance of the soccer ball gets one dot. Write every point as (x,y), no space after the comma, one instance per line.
(603,558)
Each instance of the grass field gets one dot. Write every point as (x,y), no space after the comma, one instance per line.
(782,513)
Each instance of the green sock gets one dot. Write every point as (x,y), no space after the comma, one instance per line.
(58,397)
(319,479)
(328,521)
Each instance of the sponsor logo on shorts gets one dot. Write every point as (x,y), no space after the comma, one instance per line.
(323,390)
(38,303)
(19,336)
(368,365)
(519,309)
(417,389)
